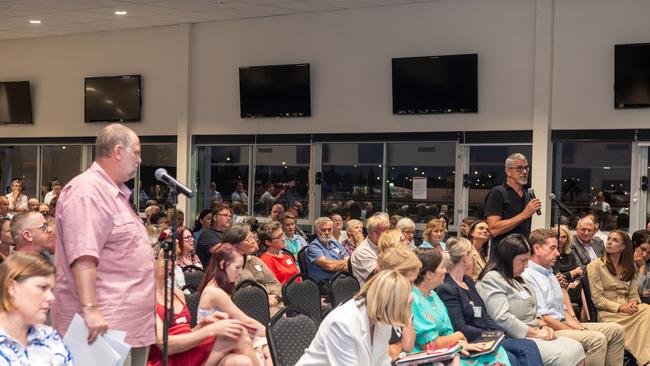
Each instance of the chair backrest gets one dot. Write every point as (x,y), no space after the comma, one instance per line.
(342,287)
(303,295)
(302,261)
(591,307)
(192,302)
(193,276)
(252,299)
(289,333)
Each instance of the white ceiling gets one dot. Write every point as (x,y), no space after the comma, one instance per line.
(84,16)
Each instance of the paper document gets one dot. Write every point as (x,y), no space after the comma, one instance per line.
(107,350)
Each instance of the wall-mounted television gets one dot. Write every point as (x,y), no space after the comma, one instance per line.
(435,84)
(632,75)
(275,91)
(15,102)
(113,99)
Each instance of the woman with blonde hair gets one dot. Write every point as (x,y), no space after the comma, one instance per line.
(357,332)
(566,267)
(354,230)
(434,234)
(390,239)
(27,281)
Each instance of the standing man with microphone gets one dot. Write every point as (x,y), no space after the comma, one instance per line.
(104,263)
(508,208)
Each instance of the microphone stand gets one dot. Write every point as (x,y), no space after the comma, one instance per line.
(559,207)
(169,249)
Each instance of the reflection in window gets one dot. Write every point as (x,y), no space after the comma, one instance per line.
(594,177)
(19,162)
(281,176)
(352,179)
(154,157)
(60,162)
(421,180)
(487,169)
(223,176)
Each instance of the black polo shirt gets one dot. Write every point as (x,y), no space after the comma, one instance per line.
(497,205)
(208,238)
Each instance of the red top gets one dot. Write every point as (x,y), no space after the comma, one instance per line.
(283,268)
(195,356)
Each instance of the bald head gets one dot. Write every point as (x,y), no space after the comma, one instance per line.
(118,152)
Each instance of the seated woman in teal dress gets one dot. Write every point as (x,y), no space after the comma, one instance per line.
(430,318)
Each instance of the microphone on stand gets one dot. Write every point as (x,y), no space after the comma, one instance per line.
(531,192)
(162,175)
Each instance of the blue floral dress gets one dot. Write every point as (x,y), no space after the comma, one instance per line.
(44,347)
(430,320)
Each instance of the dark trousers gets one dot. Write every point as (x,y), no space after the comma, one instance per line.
(522,352)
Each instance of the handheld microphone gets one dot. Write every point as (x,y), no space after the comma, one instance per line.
(531,192)
(162,175)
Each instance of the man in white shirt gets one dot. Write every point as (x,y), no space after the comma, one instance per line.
(603,343)
(56,190)
(364,258)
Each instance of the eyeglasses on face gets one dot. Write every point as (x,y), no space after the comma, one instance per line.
(44,227)
(520,169)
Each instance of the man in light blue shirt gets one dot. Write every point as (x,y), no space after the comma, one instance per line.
(325,256)
(603,342)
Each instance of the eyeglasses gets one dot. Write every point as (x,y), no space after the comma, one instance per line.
(189,237)
(45,227)
(278,237)
(520,169)
(224,215)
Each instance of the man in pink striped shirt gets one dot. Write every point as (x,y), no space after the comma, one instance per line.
(103,259)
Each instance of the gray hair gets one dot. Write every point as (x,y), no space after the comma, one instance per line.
(405,223)
(111,136)
(235,234)
(20,223)
(516,156)
(350,224)
(319,222)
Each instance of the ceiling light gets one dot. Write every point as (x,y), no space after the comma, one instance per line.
(120,12)
(35,21)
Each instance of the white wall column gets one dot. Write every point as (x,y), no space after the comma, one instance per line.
(184,138)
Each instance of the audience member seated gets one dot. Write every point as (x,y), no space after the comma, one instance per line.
(364,258)
(407,226)
(431,320)
(17,200)
(390,239)
(150,211)
(226,266)
(53,205)
(159,225)
(221,220)
(269,197)
(467,310)
(216,339)
(44,209)
(354,235)
(602,342)
(614,289)
(4,208)
(239,194)
(55,192)
(641,242)
(180,217)
(567,270)
(337,232)
(434,234)
(479,234)
(464,226)
(32,234)
(32,204)
(404,261)
(276,212)
(280,263)
(512,303)
(203,222)
(6,240)
(294,241)
(241,237)
(585,246)
(357,332)
(186,256)
(325,256)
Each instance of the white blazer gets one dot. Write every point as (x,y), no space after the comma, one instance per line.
(343,338)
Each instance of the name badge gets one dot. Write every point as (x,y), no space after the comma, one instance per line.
(181,320)
(258,267)
(477,311)
(524,294)
(289,262)
(337,250)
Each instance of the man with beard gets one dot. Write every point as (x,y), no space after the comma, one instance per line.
(325,256)
(508,208)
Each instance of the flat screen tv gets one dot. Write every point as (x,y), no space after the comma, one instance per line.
(113,99)
(15,102)
(632,75)
(435,84)
(274,91)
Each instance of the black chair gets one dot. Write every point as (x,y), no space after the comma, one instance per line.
(591,307)
(252,299)
(342,287)
(192,302)
(193,276)
(303,295)
(302,261)
(289,333)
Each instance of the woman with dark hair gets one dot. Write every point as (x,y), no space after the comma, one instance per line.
(641,242)
(186,256)
(431,320)
(225,268)
(479,234)
(613,282)
(467,310)
(511,302)
(202,222)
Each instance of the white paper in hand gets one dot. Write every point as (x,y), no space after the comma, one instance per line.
(99,353)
